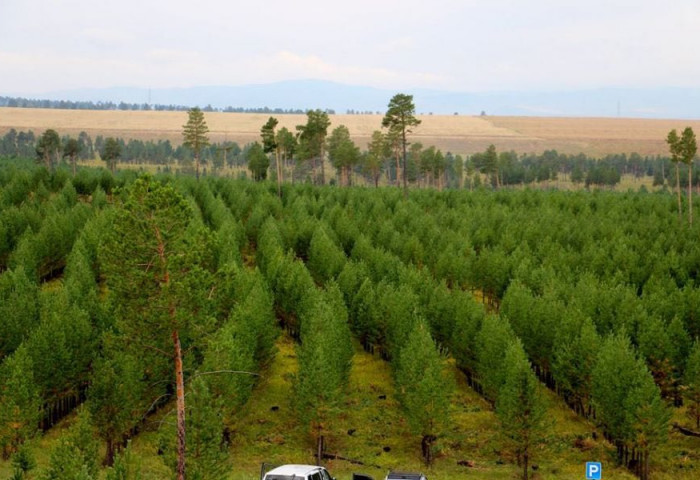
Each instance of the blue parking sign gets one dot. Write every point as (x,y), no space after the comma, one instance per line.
(594,471)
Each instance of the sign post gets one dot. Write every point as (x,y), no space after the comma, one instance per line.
(594,471)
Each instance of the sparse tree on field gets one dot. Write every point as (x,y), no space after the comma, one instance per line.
(48,148)
(520,406)
(111,151)
(287,144)
(688,149)
(399,119)
(312,139)
(71,149)
(378,150)
(195,134)
(258,162)
(674,146)
(269,139)
(343,152)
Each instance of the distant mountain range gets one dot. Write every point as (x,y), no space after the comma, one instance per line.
(306,94)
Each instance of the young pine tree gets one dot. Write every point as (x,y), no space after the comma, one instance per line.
(520,407)
(423,387)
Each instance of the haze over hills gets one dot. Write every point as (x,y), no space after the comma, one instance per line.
(304,94)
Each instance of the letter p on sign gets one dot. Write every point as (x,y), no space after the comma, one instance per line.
(594,471)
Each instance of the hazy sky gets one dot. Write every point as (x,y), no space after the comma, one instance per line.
(467,45)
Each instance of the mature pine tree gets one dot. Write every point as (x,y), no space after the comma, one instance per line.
(312,140)
(71,149)
(111,151)
(161,282)
(194,134)
(520,407)
(400,119)
(688,149)
(423,387)
(258,162)
(48,148)
(675,148)
(343,153)
(378,150)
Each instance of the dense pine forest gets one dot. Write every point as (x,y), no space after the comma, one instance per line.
(139,309)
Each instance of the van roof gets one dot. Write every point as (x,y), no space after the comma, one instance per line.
(297,470)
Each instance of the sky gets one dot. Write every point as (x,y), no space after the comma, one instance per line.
(467,45)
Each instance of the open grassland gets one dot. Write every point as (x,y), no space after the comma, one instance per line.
(455,133)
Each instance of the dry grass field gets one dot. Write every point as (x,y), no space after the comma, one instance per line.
(458,134)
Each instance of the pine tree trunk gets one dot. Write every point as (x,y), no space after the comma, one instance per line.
(323,169)
(526,461)
(398,169)
(109,456)
(196,166)
(180,395)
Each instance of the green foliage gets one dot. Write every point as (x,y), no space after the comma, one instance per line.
(493,339)
(326,259)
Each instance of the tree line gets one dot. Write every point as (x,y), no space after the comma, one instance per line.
(21,102)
